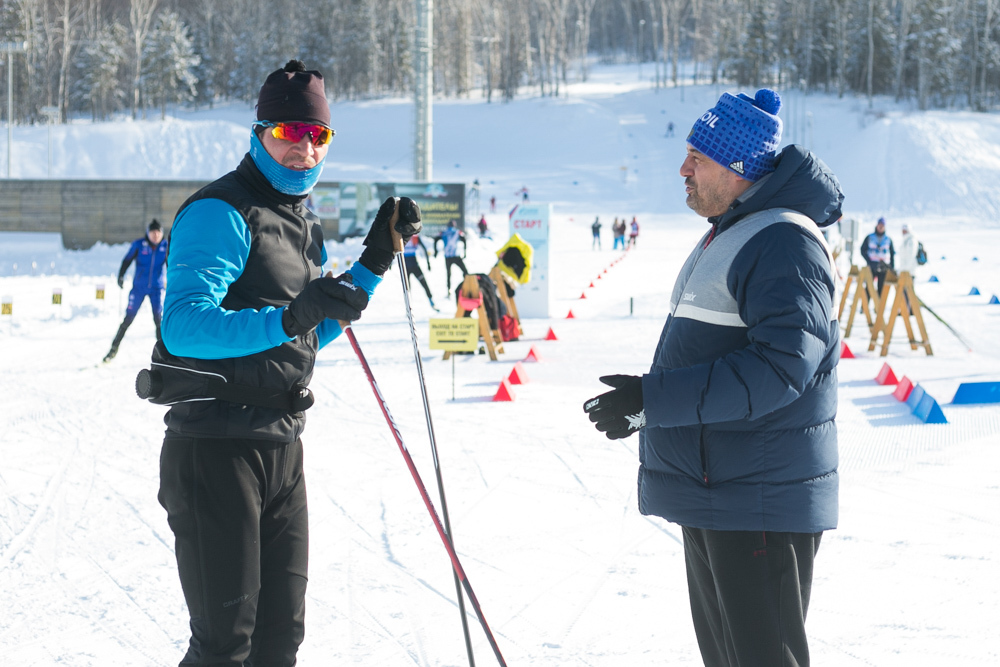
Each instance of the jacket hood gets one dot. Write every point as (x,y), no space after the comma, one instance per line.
(800,182)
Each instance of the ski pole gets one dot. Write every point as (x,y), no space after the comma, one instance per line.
(430,434)
(947,326)
(456,565)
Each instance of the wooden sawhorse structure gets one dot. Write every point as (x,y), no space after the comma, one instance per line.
(468,295)
(864,285)
(906,301)
(504,285)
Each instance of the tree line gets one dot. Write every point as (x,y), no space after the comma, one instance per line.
(104,57)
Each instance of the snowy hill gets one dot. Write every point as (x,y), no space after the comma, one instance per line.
(601,148)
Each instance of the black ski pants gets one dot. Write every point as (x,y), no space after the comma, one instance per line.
(238,512)
(749,595)
(413,268)
(450,262)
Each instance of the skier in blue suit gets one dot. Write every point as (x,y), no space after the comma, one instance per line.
(150,256)
(736,416)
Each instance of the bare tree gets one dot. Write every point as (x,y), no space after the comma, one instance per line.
(140,20)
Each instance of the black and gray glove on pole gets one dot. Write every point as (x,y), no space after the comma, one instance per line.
(379,248)
(619,413)
(335,298)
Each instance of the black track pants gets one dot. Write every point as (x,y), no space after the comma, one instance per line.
(450,262)
(238,512)
(749,595)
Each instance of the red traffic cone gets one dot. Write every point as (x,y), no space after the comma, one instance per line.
(551,335)
(504,392)
(533,355)
(583,295)
(600,276)
(570,315)
(845,352)
(591,283)
(518,375)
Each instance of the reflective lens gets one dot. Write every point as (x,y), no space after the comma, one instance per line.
(294,132)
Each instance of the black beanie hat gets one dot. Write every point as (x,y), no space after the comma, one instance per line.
(293,94)
(154,226)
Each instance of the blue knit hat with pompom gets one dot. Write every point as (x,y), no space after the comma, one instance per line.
(741,133)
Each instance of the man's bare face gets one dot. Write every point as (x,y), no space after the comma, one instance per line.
(710,187)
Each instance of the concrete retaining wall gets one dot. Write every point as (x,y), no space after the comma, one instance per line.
(86,212)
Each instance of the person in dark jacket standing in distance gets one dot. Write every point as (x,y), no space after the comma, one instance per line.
(878,251)
(737,439)
(150,256)
(245,312)
(595,230)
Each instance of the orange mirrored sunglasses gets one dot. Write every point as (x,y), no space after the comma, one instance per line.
(294,132)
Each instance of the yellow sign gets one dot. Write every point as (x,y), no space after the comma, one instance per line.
(7,307)
(100,290)
(455,335)
(56,296)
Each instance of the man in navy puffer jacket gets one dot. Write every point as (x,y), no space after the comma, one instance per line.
(737,438)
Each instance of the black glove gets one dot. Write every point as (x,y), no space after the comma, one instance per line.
(618,413)
(335,298)
(121,281)
(377,256)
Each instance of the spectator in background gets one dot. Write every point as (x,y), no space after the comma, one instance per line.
(878,251)
(596,230)
(908,245)
(633,234)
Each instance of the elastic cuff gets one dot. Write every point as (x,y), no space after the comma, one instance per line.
(376,260)
(279,334)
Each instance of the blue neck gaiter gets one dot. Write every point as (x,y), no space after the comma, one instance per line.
(285,180)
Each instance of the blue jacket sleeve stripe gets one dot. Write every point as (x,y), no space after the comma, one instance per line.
(210,245)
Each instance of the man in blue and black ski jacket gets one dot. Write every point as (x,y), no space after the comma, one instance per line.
(150,256)
(245,313)
(737,438)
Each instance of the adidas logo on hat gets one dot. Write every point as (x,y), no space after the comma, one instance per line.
(737,166)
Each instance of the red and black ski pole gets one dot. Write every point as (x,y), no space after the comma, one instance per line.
(456,565)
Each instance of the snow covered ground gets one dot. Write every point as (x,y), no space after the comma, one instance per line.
(543,508)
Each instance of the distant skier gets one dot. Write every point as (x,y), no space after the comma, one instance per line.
(670,129)
(413,266)
(150,255)
(878,251)
(484,229)
(493,204)
(450,237)
(596,230)
(633,234)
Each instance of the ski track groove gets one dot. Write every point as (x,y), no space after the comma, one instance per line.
(52,487)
